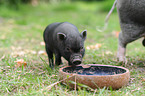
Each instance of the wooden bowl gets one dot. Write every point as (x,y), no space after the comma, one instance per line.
(95,76)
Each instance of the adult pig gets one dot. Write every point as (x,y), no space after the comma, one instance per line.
(64,39)
(132,21)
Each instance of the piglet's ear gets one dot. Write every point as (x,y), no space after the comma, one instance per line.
(61,36)
(84,34)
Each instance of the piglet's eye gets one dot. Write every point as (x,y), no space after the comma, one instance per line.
(68,49)
(81,49)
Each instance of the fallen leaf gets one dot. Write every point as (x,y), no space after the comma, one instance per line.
(42,53)
(88,47)
(96,46)
(18,53)
(116,33)
(31,52)
(20,62)
(143,79)
(91,72)
(131,80)
(131,64)
(53,76)
(108,52)
(42,43)
(3,57)
(80,71)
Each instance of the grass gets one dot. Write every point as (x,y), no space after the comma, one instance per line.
(21,36)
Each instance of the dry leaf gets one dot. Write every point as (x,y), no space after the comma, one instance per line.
(53,76)
(2,57)
(33,52)
(20,62)
(143,79)
(80,71)
(131,64)
(88,47)
(96,46)
(42,53)
(42,43)
(116,33)
(108,52)
(18,53)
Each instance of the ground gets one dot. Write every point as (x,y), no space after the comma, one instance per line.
(21,40)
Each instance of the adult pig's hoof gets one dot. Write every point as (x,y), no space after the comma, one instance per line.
(121,54)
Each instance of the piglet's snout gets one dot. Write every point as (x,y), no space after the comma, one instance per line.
(76,59)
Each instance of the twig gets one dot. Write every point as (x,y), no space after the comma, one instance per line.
(37,68)
(75,84)
(7,90)
(95,92)
(50,86)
